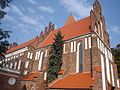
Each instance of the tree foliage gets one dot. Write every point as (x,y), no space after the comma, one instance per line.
(116,54)
(3,34)
(55,60)
(3,5)
(3,42)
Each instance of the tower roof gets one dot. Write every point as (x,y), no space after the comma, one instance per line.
(70,20)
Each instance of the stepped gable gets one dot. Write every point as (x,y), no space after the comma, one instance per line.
(72,30)
(70,20)
(73,81)
(35,41)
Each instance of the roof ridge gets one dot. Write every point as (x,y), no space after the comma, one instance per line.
(70,20)
(10,50)
(75,22)
(76,29)
(45,38)
(63,27)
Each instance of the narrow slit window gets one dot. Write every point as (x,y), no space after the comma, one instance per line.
(81,57)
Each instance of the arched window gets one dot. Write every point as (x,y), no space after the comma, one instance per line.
(41,61)
(103,72)
(101,27)
(79,63)
(43,57)
(96,27)
(15,65)
(81,57)
(19,65)
(99,32)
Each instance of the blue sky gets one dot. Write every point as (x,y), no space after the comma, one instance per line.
(26,18)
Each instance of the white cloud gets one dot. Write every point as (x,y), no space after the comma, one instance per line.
(8,18)
(46,9)
(31,10)
(24,18)
(40,17)
(32,1)
(16,10)
(21,25)
(29,20)
(29,23)
(22,8)
(24,28)
(115,29)
(25,21)
(80,8)
(26,31)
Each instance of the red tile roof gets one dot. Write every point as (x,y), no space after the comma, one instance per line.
(61,71)
(30,76)
(73,81)
(72,30)
(21,45)
(70,20)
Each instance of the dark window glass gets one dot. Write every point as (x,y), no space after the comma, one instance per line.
(81,57)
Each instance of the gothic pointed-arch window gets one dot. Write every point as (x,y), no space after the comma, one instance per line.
(41,61)
(101,27)
(96,27)
(99,32)
(79,63)
(81,57)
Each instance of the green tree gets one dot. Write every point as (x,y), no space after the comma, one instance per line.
(3,34)
(55,60)
(116,54)
(3,5)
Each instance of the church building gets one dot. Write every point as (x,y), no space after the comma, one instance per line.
(88,63)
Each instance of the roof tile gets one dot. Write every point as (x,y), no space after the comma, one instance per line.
(21,45)
(78,80)
(70,20)
(69,31)
(30,76)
